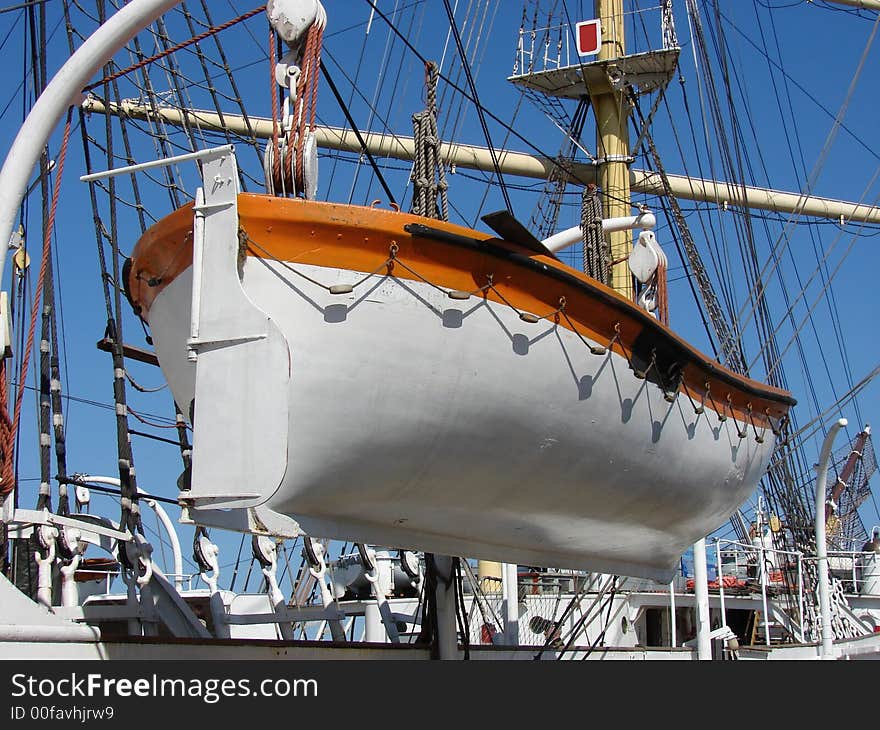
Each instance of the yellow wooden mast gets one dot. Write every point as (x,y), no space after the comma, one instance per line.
(612,144)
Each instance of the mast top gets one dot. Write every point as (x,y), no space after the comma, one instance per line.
(644,72)
(588,58)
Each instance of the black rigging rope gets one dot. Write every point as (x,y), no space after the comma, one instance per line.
(130,518)
(529,143)
(357,133)
(479,106)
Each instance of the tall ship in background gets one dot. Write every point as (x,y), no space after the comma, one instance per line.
(489,427)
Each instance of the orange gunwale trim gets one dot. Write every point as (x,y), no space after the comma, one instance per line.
(458,258)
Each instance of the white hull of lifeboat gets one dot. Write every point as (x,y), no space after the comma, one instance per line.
(454,427)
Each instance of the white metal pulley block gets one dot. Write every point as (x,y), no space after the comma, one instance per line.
(310,167)
(643,259)
(292,19)
(287,73)
(71,537)
(267,548)
(83,495)
(207,551)
(409,562)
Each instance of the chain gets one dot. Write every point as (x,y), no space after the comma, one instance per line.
(731,353)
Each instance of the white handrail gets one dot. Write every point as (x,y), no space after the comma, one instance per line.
(162,515)
(821,546)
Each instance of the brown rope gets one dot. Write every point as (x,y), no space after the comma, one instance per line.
(428,176)
(195,39)
(7,435)
(662,294)
(297,129)
(316,67)
(276,147)
(306,99)
(7,487)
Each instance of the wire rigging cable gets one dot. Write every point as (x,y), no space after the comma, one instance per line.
(826,149)
(479,107)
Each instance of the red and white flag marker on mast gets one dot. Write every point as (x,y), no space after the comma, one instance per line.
(589,37)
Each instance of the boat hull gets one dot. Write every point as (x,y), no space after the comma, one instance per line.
(421,421)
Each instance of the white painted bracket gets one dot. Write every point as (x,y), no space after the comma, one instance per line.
(23,517)
(242,361)
(256,520)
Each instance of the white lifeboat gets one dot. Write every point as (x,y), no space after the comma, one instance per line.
(390,379)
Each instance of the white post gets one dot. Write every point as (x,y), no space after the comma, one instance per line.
(319,573)
(821,546)
(720,578)
(646,221)
(861,4)
(162,516)
(701,593)
(327,600)
(510,588)
(511,163)
(763,560)
(69,593)
(800,580)
(197,266)
(381,580)
(374,631)
(44,566)
(673,639)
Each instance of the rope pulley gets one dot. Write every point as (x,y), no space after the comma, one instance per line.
(409,562)
(368,558)
(203,549)
(312,552)
(264,550)
(290,162)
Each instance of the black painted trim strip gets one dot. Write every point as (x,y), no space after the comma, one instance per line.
(687,354)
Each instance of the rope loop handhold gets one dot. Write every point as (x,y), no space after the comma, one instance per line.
(729,404)
(775,429)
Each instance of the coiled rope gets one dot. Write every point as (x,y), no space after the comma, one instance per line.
(429,177)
